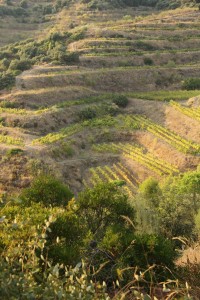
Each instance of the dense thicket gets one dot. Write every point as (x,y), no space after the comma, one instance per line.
(45,229)
(19,57)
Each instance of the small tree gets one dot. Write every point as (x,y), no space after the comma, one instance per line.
(47,190)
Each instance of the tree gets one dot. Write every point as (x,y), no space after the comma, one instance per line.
(47,190)
(103,206)
(151,191)
(190,185)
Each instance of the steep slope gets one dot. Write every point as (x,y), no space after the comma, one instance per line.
(71,119)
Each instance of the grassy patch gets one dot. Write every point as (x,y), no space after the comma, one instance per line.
(164,95)
(5,139)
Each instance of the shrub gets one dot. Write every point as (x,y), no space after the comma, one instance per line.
(150,249)
(191,84)
(151,191)
(24,4)
(70,232)
(121,101)
(71,57)
(14,151)
(9,104)
(87,114)
(20,65)
(47,190)
(148,61)
(6,80)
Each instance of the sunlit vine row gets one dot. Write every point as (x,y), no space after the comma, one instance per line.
(158,166)
(167,135)
(130,175)
(163,164)
(54,137)
(6,139)
(110,174)
(138,154)
(190,112)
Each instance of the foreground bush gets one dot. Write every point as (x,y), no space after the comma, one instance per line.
(47,190)
(191,84)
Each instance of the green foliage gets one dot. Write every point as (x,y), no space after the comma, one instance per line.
(174,211)
(190,186)
(191,84)
(47,190)
(87,114)
(197,223)
(14,151)
(151,191)
(99,226)
(51,49)
(165,95)
(103,206)
(171,209)
(151,249)
(20,65)
(65,239)
(121,101)
(24,4)
(6,80)
(26,272)
(12,11)
(148,61)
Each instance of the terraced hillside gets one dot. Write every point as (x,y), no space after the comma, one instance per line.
(24,19)
(74,120)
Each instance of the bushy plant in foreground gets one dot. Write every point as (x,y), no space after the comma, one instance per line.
(47,190)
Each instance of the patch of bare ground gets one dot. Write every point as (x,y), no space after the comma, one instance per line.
(182,124)
(111,80)
(14,174)
(47,96)
(152,109)
(42,123)
(190,255)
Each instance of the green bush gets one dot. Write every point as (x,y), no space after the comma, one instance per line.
(47,190)
(6,80)
(151,250)
(24,4)
(12,11)
(69,233)
(14,151)
(87,114)
(20,65)
(148,61)
(9,104)
(121,101)
(191,84)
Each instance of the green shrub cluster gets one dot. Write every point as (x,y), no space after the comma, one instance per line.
(12,11)
(87,114)
(19,57)
(44,229)
(121,101)
(191,84)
